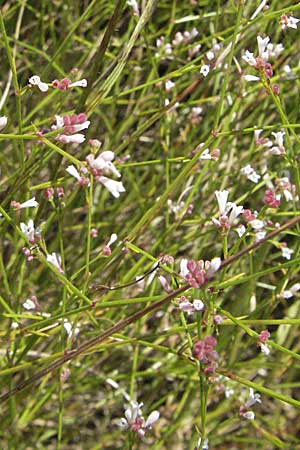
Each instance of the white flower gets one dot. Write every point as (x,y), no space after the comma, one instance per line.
(249,58)
(212,266)
(29,304)
(74,172)
(135,7)
(251,78)
(191,308)
(114,187)
(273,51)
(202,446)
(205,70)
(28,230)
(262,44)
(235,212)
(31,203)
(249,415)
(169,85)
(253,398)
(3,122)
(59,122)
(250,173)
(113,238)
(241,230)
(134,420)
(279,138)
(205,155)
(264,349)
(183,268)
(71,138)
(36,81)
(290,292)
(222,197)
(260,235)
(55,260)
(257,224)
(79,83)
(287,252)
(70,329)
(104,163)
(210,55)
(292,22)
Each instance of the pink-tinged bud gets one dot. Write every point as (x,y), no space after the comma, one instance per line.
(191,265)
(218,319)
(189,210)
(268,70)
(65,374)
(49,193)
(60,192)
(275,89)
(248,215)
(165,285)
(264,336)
(95,143)
(94,233)
(15,205)
(215,154)
(27,253)
(106,250)
(270,199)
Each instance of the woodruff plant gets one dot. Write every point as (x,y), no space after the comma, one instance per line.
(149,202)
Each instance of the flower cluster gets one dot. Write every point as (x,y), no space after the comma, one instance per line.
(198,273)
(63,85)
(266,50)
(134,420)
(206,353)
(275,147)
(71,125)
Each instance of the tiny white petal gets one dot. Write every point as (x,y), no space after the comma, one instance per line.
(31,203)
(205,70)
(153,417)
(114,187)
(3,122)
(113,238)
(73,171)
(43,87)
(79,83)
(251,78)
